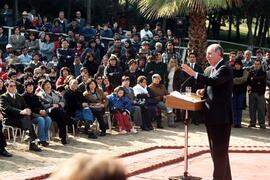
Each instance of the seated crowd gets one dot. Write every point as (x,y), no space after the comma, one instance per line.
(50,77)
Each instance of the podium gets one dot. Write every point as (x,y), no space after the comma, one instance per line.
(187,102)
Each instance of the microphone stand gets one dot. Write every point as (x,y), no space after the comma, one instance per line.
(185,176)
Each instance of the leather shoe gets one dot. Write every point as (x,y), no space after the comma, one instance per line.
(92,135)
(102,134)
(43,143)
(34,147)
(5,153)
(63,141)
(160,126)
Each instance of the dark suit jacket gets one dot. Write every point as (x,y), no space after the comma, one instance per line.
(218,95)
(12,108)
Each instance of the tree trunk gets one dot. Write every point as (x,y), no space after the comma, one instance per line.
(259,39)
(88,11)
(69,9)
(209,24)
(16,7)
(237,28)
(249,25)
(198,36)
(256,26)
(218,24)
(230,25)
(266,28)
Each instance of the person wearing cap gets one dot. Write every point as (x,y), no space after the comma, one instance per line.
(17,40)
(145,49)
(240,76)
(39,114)
(25,21)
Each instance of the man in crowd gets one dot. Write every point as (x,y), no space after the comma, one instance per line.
(256,88)
(18,114)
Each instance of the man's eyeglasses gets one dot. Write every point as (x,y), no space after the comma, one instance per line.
(12,85)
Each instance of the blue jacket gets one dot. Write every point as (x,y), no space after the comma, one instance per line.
(119,103)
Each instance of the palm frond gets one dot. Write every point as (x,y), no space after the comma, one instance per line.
(169,8)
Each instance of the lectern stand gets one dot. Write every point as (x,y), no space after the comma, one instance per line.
(187,102)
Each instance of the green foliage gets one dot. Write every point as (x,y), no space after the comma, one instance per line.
(170,8)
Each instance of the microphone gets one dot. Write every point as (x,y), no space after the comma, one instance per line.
(184,83)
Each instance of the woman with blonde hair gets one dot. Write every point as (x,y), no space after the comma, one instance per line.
(172,67)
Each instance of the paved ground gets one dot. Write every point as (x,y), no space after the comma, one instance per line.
(24,160)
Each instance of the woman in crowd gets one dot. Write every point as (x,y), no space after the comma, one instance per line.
(39,115)
(97,102)
(54,105)
(107,87)
(113,71)
(32,43)
(46,48)
(77,107)
(103,64)
(145,100)
(120,106)
(172,67)
(90,64)
(64,73)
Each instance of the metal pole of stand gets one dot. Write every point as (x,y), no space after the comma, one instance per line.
(185,176)
(186,145)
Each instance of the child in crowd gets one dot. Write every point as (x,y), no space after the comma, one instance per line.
(120,107)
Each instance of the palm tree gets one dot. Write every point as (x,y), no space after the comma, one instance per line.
(197,11)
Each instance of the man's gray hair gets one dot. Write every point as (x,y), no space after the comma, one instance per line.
(217,48)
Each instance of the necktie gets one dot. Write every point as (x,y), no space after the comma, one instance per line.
(212,72)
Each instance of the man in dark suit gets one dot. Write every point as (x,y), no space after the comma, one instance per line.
(218,108)
(3,143)
(65,57)
(17,114)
